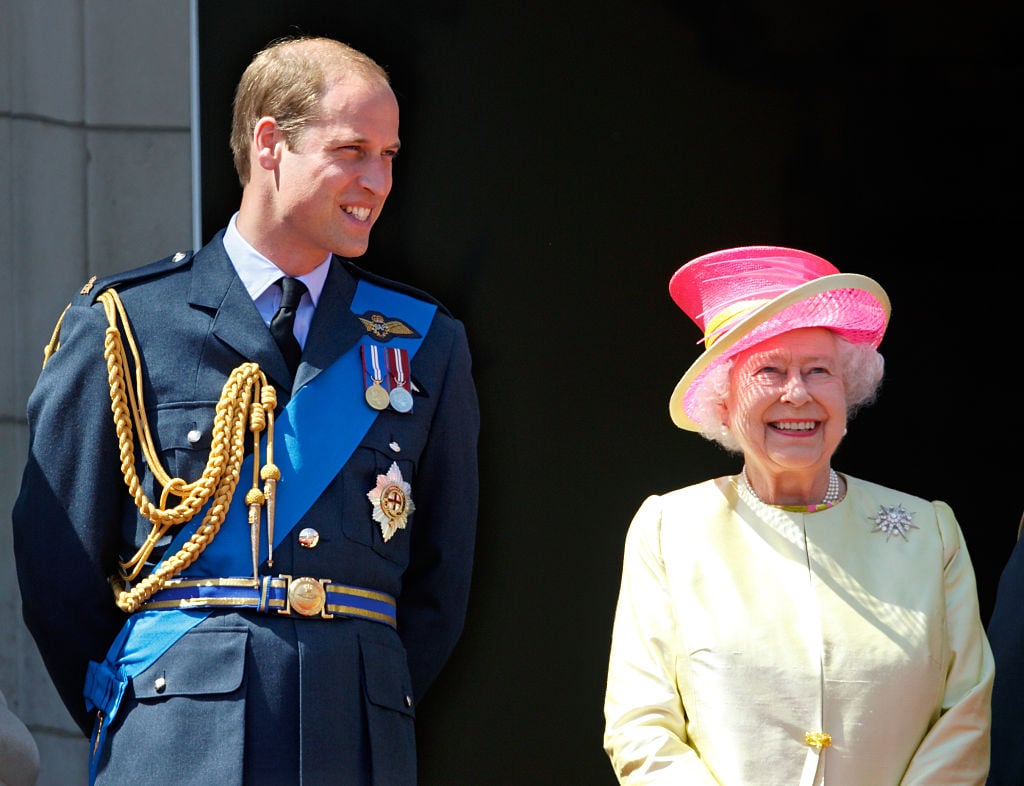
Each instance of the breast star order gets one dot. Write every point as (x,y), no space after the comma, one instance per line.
(893,520)
(392,502)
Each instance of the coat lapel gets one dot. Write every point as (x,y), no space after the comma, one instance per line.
(334,328)
(216,287)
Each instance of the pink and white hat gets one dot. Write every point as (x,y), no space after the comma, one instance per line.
(740,297)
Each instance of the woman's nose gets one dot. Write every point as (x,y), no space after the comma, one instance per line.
(794,391)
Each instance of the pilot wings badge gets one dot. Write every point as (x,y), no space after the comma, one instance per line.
(384,328)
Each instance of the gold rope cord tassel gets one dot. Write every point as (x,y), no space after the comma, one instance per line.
(818,739)
(247,402)
(54,343)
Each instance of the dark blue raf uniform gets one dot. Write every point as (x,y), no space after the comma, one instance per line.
(1006,635)
(249,696)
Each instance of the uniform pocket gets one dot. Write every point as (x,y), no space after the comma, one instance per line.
(184,718)
(388,684)
(389,711)
(183,434)
(199,663)
(362,523)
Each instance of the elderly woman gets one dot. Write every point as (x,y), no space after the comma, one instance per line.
(790,624)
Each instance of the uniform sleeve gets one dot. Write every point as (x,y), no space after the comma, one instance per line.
(66,517)
(1006,634)
(956,748)
(435,588)
(645,722)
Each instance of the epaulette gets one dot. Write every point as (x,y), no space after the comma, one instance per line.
(92,289)
(398,286)
(94,286)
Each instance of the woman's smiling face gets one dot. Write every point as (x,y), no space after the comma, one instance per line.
(787,402)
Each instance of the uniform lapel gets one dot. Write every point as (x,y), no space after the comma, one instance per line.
(334,328)
(216,287)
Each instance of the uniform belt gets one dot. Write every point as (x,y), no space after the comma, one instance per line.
(303,596)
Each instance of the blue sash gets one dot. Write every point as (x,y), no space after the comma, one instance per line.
(313,438)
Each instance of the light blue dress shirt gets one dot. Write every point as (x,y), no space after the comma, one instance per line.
(259,275)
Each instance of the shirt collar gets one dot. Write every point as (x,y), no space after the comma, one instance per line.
(258,273)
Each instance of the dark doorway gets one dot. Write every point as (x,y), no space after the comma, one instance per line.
(559,162)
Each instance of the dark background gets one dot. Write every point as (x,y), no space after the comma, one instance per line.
(559,162)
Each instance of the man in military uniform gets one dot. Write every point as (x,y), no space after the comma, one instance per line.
(237,571)
(1006,635)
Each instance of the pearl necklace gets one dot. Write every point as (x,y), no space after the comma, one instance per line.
(831,494)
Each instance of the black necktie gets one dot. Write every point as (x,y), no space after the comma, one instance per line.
(281,326)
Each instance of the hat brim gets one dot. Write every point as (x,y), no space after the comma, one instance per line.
(720,350)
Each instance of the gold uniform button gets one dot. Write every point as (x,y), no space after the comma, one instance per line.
(308,538)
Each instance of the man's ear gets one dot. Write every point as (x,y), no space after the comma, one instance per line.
(268,143)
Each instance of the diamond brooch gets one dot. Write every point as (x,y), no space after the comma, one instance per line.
(893,520)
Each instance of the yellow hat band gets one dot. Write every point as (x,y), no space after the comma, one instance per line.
(720,322)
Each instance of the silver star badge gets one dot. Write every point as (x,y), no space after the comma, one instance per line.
(893,520)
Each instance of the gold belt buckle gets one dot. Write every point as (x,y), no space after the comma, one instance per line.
(307,596)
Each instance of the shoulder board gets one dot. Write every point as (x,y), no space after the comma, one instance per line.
(398,286)
(95,285)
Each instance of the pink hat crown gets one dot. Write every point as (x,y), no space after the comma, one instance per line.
(739,297)
(717,289)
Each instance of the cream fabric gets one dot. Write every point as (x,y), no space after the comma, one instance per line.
(740,627)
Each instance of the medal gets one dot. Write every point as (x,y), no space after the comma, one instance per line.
(401,399)
(398,370)
(392,502)
(376,395)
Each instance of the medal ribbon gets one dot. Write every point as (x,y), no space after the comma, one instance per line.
(398,367)
(377,374)
(373,374)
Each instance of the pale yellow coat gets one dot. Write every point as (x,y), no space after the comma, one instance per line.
(741,627)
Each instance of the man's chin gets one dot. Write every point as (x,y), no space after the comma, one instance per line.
(352,250)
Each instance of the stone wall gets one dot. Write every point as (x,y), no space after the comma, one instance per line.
(95,176)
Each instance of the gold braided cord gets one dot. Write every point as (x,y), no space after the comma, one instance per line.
(247,402)
(54,343)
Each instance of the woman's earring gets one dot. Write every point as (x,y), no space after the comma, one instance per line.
(723,429)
